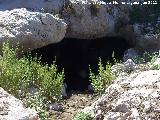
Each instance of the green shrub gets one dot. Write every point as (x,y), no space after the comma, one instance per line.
(102,79)
(155,66)
(146,57)
(51,82)
(11,78)
(149,58)
(83,116)
(17,76)
(36,102)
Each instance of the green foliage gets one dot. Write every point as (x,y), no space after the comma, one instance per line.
(104,78)
(37,103)
(155,66)
(142,59)
(11,78)
(150,58)
(146,57)
(83,116)
(17,76)
(51,82)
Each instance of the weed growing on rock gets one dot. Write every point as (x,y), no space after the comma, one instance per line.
(102,79)
(83,116)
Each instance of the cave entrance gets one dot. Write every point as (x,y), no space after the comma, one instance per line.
(75,56)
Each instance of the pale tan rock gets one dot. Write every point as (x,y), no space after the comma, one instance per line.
(136,97)
(12,109)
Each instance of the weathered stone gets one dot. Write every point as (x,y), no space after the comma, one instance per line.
(129,65)
(92,19)
(131,54)
(117,69)
(134,97)
(30,29)
(56,107)
(12,109)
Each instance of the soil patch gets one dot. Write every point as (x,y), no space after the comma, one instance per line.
(73,105)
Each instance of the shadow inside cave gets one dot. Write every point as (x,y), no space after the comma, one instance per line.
(75,56)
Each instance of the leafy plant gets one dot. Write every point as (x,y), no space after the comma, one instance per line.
(51,82)
(17,76)
(146,57)
(36,102)
(102,79)
(83,116)
(11,78)
(154,65)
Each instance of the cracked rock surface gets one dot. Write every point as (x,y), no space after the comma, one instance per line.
(30,29)
(132,97)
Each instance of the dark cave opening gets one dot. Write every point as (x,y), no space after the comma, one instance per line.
(75,56)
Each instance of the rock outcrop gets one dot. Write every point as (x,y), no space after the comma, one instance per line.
(92,19)
(13,109)
(30,29)
(130,97)
(85,19)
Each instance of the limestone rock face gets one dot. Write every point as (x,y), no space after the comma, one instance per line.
(30,29)
(13,109)
(136,96)
(86,19)
(89,19)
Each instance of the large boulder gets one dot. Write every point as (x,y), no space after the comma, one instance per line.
(12,109)
(30,29)
(89,19)
(136,96)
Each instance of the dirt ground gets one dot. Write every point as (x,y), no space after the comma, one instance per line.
(72,105)
(80,100)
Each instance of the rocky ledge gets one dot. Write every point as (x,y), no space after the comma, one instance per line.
(12,109)
(130,97)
